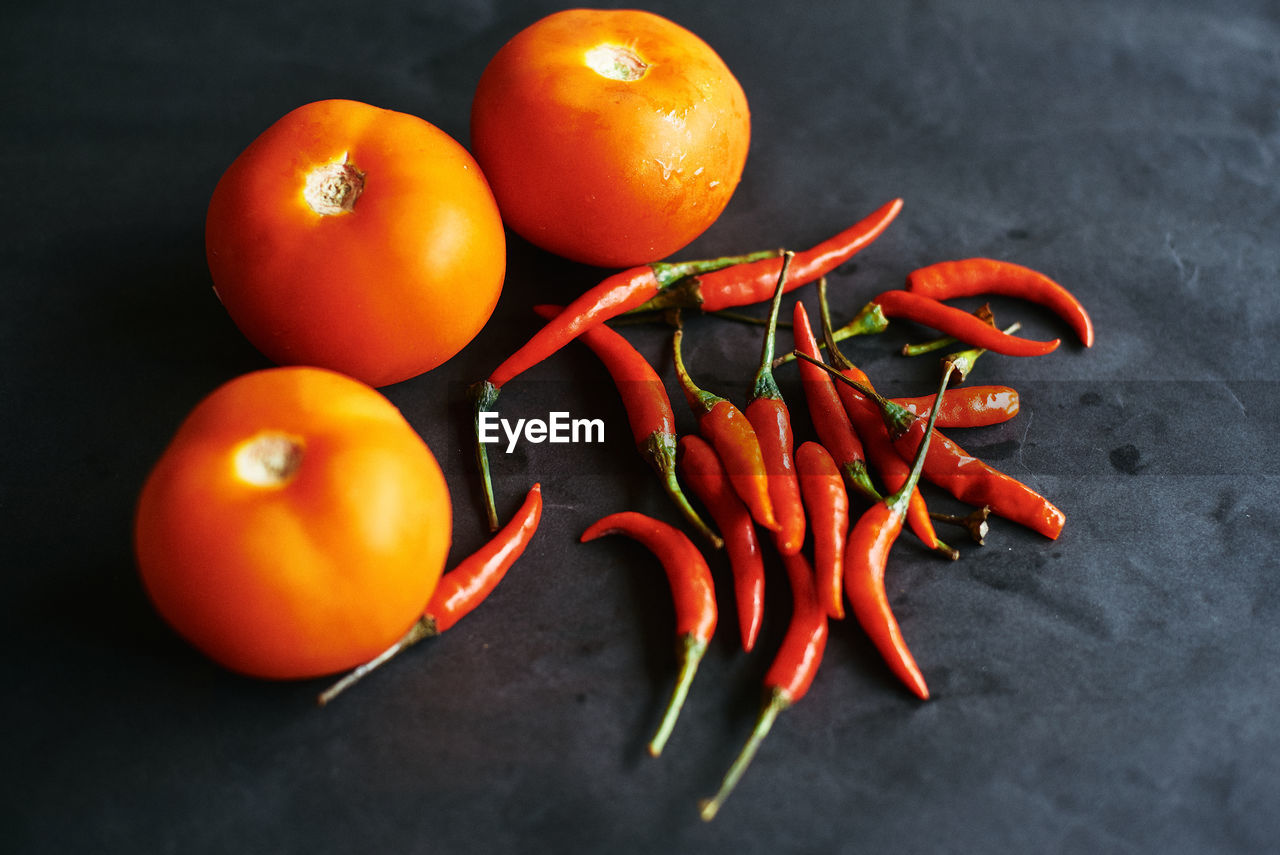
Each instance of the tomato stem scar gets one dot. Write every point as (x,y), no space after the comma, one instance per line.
(616,62)
(334,188)
(269,459)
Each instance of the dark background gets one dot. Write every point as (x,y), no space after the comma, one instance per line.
(1115,690)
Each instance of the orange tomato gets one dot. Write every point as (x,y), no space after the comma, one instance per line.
(612,138)
(357,239)
(295,526)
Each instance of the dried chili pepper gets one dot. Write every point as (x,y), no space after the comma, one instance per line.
(835,431)
(769,416)
(968,406)
(961,474)
(613,296)
(753,282)
(866,420)
(734,439)
(866,557)
(648,411)
(789,676)
(827,503)
(710,483)
(460,590)
(972,277)
(958,323)
(692,591)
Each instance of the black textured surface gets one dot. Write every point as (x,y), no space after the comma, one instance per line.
(1112,691)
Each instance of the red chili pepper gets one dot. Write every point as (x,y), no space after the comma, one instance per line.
(648,411)
(972,277)
(964,476)
(968,406)
(830,420)
(710,483)
(828,504)
(866,420)
(958,323)
(771,420)
(692,590)
(613,296)
(789,676)
(462,589)
(753,282)
(734,439)
(866,557)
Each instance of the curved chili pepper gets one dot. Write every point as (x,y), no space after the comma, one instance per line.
(789,676)
(866,420)
(753,282)
(958,323)
(968,406)
(769,416)
(961,474)
(461,589)
(734,439)
(866,557)
(972,277)
(648,411)
(710,483)
(828,504)
(692,590)
(835,431)
(611,297)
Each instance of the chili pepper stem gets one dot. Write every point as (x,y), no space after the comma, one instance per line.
(765,386)
(691,651)
(964,359)
(661,452)
(484,395)
(975,522)
(777,701)
(423,627)
(870,320)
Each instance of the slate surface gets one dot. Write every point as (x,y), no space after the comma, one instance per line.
(1112,691)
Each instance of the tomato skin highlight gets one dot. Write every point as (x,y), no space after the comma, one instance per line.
(304,573)
(604,171)
(383,291)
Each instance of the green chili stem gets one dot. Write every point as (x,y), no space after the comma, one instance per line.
(691,651)
(777,701)
(424,627)
(765,386)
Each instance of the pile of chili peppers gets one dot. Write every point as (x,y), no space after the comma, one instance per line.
(832,508)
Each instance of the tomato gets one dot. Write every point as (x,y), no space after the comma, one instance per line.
(612,138)
(357,239)
(295,526)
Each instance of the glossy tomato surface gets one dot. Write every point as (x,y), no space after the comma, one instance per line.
(358,239)
(612,138)
(295,526)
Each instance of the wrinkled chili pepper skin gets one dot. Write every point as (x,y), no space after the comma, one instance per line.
(706,477)
(469,583)
(972,277)
(827,503)
(746,284)
(771,420)
(648,407)
(830,421)
(958,324)
(967,406)
(866,556)
(692,589)
(975,482)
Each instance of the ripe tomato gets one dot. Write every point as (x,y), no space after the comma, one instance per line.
(295,526)
(610,137)
(358,239)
